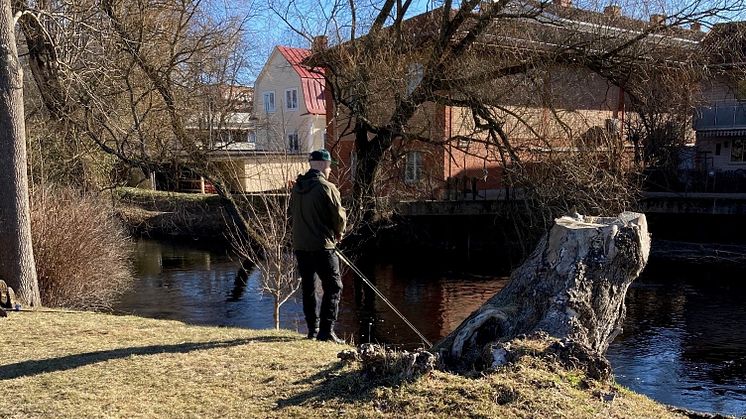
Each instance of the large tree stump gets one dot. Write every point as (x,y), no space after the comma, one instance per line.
(572,286)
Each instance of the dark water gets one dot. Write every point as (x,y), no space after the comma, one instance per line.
(684,342)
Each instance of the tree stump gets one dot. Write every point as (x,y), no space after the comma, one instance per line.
(571,287)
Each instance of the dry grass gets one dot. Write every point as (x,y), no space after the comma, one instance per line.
(97,365)
(82,251)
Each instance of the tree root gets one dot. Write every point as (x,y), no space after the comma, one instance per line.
(469,332)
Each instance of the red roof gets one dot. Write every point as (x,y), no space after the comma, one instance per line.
(312,82)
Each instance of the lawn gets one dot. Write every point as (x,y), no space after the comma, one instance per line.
(55,364)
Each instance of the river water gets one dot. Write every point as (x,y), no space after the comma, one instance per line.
(684,339)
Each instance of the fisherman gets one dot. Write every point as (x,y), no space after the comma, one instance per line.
(318,224)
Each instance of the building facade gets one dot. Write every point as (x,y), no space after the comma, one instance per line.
(290,104)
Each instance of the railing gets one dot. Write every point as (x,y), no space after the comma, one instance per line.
(718,116)
(694,181)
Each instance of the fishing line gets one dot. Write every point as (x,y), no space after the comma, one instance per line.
(380,294)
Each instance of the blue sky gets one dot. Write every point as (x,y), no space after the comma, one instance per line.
(267,28)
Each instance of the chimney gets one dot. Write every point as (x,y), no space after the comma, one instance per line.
(657,20)
(562,3)
(696,26)
(613,10)
(319,43)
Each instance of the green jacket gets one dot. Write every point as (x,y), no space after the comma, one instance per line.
(317,213)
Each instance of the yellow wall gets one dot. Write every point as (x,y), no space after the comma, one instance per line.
(262,172)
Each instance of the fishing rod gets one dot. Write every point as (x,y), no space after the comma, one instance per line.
(380,294)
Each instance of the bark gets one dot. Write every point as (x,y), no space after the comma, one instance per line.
(370,155)
(277,313)
(571,287)
(17,266)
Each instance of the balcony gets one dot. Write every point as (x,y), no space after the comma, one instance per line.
(721,116)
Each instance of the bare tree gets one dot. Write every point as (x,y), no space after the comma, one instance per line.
(16,254)
(500,64)
(135,80)
(273,257)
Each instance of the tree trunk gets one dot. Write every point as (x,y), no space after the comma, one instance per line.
(369,156)
(16,254)
(572,286)
(277,313)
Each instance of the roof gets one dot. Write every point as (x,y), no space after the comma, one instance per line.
(726,43)
(312,80)
(546,26)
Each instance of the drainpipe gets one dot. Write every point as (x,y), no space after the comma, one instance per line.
(448,136)
(620,108)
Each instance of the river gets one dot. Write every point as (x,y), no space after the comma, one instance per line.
(684,339)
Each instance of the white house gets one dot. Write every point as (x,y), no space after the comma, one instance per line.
(290,104)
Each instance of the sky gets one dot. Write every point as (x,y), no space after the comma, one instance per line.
(277,22)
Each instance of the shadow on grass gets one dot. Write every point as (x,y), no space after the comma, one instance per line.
(64,363)
(347,387)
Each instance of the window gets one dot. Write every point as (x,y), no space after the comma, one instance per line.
(291,99)
(612,126)
(738,151)
(269,102)
(293,144)
(415,73)
(413,169)
(741,90)
(353,165)
(251,137)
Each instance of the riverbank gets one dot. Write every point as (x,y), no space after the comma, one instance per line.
(93,365)
(168,215)
(201,217)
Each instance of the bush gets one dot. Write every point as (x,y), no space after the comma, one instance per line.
(81,250)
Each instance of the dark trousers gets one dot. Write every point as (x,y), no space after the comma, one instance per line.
(323,264)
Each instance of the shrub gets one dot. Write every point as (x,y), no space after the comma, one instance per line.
(81,250)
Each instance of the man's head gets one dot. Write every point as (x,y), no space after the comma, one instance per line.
(321,160)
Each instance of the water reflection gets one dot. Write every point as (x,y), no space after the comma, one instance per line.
(684,340)
(434,302)
(198,286)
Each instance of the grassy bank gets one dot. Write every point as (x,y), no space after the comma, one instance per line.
(170,214)
(96,365)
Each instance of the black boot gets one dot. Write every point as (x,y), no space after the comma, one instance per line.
(313,331)
(327,334)
(329,337)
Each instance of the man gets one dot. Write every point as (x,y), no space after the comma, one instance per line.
(318,223)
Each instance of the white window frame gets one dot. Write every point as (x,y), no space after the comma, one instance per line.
(293,140)
(742,147)
(268,98)
(291,103)
(413,167)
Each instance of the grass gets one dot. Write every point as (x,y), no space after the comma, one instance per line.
(98,365)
